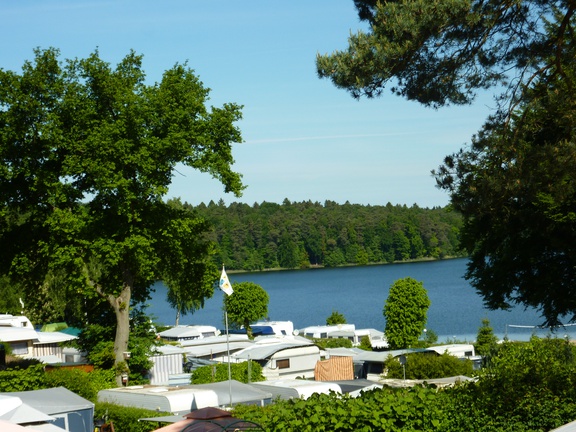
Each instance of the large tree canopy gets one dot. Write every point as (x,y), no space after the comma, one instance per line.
(441,51)
(515,185)
(87,153)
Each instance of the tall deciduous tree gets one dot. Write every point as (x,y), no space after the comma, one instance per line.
(406,312)
(515,185)
(247,304)
(87,153)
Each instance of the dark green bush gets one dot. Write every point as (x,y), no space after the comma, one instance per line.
(333,343)
(85,384)
(428,366)
(19,378)
(34,377)
(416,409)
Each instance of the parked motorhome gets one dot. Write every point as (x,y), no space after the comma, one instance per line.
(346,331)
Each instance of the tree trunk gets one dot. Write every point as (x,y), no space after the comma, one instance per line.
(177,317)
(248,329)
(121,306)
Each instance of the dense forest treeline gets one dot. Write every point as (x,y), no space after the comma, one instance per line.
(305,234)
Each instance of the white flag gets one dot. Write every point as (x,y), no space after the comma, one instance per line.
(225,284)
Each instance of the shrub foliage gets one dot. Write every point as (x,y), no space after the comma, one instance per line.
(244,372)
(529,386)
(428,366)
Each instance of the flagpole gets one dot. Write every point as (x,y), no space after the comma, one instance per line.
(228,351)
(226,286)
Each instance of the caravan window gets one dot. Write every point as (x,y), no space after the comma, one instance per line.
(19,348)
(283,364)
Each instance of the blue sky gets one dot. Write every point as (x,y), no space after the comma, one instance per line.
(304,139)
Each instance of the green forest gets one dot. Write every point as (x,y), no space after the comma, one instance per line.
(311,234)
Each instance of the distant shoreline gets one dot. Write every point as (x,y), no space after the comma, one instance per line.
(318,266)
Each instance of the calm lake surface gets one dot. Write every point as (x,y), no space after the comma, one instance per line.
(308,297)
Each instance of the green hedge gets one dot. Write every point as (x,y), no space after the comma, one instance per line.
(85,384)
(34,377)
(428,366)
(416,409)
(219,372)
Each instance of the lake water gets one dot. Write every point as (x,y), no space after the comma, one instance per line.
(308,297)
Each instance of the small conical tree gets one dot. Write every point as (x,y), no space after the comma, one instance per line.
(335,318)
(486,340)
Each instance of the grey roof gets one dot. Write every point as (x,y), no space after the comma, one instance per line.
(297,388)
(14,410)
(13,334)
(343,352)
(263,352)
(53,337)
(181,331)
(241,393)
(381,356)
(212,340)
(215,349)
(341,333)
(349,386)
(53,401)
